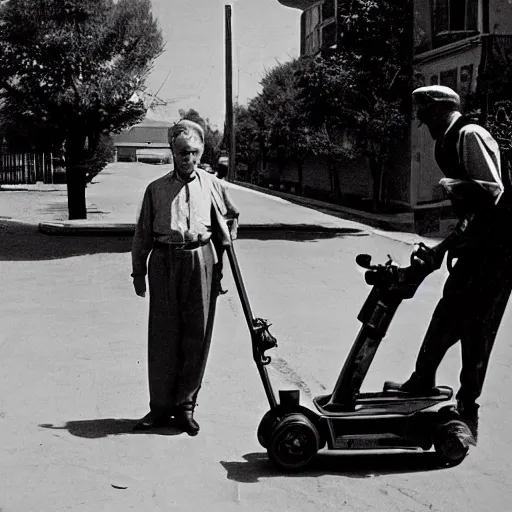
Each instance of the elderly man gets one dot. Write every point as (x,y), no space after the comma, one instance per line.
(181,215)
(477,290)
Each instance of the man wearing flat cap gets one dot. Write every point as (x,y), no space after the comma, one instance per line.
(478,287)
(181,216)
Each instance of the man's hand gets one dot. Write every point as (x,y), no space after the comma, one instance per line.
(233,229)
(139,283)
(429,257)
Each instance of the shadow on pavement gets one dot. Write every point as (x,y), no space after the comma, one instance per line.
(23,242)
(95,429)
(367,465)
(298,234)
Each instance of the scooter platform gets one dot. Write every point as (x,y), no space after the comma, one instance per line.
(348,419)
(382,420)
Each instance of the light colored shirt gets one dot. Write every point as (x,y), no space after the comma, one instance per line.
(480,156)
(190,211)
(175,212)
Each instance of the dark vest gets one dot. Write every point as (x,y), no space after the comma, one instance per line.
(448,152)
(448,155)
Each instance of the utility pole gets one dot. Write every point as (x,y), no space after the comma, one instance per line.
(337,25)
(230,123)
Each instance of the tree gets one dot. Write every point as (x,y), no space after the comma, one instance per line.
(71,70)
(362,90)
(248,136)
(279,114)
(212,136)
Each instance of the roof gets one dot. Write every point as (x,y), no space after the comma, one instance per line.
(153,123)
(147,145)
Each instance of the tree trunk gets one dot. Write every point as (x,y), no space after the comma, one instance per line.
(300,186)
(376,172)
(75,177)
(335,181)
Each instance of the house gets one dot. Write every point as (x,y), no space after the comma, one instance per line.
(464,44)
(146,141)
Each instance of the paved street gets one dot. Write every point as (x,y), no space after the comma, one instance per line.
(73,348)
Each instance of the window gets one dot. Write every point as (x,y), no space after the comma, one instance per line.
(455,16)
(329,35)
(454,20)
(315,16)
(312,30)
(328,10)
(449,78)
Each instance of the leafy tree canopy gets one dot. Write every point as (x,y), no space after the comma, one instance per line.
(70,70)
(76,63)
(365,85)
(248,136)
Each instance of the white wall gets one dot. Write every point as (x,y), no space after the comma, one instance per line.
(500,17)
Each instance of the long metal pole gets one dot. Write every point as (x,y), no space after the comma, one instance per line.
(230,131)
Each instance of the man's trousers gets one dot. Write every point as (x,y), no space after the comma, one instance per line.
(474,299)
(182,290)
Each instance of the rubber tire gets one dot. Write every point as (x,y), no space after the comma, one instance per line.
(293,428)
(266,427)
(449,448)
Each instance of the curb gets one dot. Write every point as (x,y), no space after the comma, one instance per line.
(126,229)
(32,188)
(398,222)
(83,229)
(109,229)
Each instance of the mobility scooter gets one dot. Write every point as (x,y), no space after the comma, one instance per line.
(348,419)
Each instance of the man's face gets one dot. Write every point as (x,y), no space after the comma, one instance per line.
(187,152)
(435,117)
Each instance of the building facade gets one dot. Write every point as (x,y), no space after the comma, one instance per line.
(146,141)
(463,44)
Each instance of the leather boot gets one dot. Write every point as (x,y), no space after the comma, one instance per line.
(415,385)
(154,419)
(468,412)
(186,422)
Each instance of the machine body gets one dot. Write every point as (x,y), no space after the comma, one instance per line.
(348,419)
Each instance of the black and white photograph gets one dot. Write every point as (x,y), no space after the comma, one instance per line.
(256,255)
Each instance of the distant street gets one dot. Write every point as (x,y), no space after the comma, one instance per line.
(73,351)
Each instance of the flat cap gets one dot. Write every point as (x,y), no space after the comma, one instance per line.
(432,94)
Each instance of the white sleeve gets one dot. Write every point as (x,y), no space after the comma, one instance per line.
(481,155)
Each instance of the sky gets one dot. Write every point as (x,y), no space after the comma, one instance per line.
(264,33)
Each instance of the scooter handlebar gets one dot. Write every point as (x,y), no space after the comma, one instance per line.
(364,260)
(402,280)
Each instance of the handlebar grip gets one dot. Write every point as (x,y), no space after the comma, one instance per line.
(371,277)
(364,260)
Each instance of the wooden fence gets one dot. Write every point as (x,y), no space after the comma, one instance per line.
(27,168)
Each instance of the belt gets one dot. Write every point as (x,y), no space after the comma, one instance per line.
(187,246)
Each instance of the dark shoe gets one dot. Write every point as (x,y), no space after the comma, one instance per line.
(186,422)
(153,420)
(415,386)
(469,415)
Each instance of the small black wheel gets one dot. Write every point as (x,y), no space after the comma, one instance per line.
(293,442)
(266,427)
(451,442)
